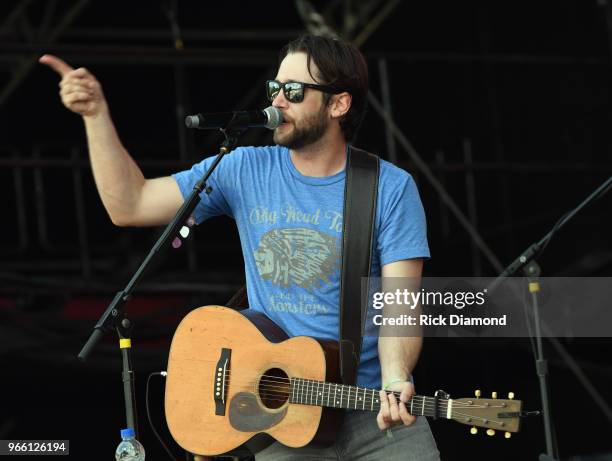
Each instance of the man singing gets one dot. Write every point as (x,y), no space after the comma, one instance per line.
(287,201)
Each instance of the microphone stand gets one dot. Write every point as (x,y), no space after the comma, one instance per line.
(535,248)
(115,318)
(526,262)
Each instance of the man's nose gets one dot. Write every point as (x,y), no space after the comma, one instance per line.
(280,101)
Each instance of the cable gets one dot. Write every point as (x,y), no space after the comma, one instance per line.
(164,374)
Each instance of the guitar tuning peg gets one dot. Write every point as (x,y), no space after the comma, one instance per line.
(491,432)
(510,395)
(493,395)
(477,393)
(473,430)
(507,434)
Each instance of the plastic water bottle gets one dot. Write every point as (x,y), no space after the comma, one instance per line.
(129,449)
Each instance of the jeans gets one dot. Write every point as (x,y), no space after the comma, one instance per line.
(360,439)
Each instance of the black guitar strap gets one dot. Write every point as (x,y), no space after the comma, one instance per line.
(360,191)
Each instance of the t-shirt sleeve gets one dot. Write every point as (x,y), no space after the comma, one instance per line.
(223,181)
(403,228)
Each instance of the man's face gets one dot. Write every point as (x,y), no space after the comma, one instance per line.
(305,122)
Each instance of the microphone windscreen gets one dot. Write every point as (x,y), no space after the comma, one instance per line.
(192,121)
(275,117)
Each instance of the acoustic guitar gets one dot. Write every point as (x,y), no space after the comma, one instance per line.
(236,383)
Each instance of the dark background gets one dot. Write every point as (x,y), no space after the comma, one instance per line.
(507,103)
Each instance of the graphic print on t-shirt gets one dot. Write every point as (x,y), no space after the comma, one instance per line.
(297,256)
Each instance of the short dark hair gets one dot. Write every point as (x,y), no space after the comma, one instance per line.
(341,65)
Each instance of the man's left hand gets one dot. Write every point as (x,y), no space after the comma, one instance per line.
(393,411)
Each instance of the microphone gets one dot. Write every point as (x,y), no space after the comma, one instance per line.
(270,118)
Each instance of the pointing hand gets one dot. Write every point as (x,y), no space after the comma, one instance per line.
(79,89)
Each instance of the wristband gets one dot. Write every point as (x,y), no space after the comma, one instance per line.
(395,381)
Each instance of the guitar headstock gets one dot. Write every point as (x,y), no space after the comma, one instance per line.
(493,414)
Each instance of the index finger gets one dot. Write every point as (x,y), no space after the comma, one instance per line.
(58,65)
(405,415)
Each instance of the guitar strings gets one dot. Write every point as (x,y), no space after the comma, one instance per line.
(289,388)
(274,386)
(328,391)
(480,418)
(304,382)
(277,389)
(282,389)
(323,397)
(283,395)
(429,407)
(423,403)
(352,404)
(424,409)
(281,380)
(442,409)
(283,386)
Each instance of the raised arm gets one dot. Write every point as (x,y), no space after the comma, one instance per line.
(129,198)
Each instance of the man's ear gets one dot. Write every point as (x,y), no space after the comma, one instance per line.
(340,104)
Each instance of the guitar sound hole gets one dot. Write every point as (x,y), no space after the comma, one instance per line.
(274,388)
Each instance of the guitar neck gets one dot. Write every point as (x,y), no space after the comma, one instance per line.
(324,394)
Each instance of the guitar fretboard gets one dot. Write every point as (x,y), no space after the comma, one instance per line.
(324,394)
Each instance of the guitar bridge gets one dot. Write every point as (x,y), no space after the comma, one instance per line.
(220,381)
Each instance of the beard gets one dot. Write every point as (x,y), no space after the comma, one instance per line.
(307,132)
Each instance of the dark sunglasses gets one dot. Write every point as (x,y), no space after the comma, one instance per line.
(294,91)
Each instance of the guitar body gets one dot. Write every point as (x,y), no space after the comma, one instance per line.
(236,383)
(228,384)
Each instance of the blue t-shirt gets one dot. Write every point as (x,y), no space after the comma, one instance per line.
(290,228)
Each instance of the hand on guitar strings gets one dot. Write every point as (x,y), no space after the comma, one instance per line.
(394,411)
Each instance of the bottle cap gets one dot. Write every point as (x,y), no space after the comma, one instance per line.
(127,433)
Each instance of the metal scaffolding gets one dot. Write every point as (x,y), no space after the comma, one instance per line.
(86,258)
(358,20)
